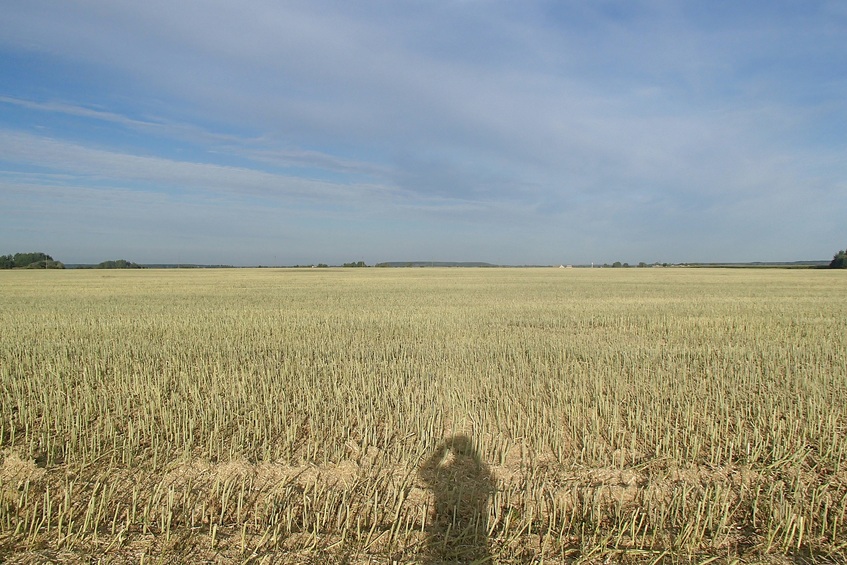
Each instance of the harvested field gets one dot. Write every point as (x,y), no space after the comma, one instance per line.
(423,416)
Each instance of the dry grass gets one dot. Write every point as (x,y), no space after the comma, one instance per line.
(423,415)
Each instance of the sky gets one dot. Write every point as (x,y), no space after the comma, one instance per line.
(513,132)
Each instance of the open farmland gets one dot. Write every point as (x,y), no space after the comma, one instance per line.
(423,415)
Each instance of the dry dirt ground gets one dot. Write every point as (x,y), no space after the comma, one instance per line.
(232,542)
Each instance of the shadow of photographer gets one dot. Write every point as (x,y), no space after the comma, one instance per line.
(462,484)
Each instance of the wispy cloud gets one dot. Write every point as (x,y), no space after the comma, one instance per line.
(300,158)
(80,111)
(56,155)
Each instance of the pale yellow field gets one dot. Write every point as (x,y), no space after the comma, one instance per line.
(423,415)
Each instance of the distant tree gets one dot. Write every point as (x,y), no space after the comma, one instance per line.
(356,264)
(27,259)
(839,261)
(119,264)
(46,265)
(642,264)
(35,260)
(616,264)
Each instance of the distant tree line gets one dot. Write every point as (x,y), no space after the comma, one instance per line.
(35,260)
(642,264)
(119,264)
(356,264)
(839,261)
(39,260)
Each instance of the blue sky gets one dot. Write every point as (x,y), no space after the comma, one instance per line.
(532,132)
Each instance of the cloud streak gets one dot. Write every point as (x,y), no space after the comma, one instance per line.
(100,164)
